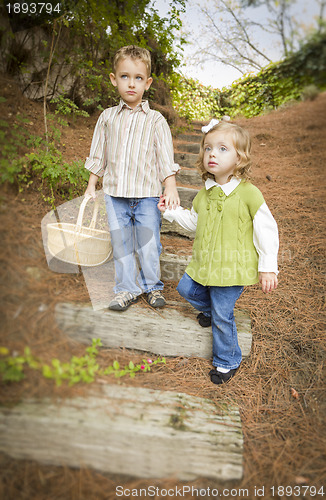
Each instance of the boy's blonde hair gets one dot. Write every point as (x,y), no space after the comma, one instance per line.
(242,145)
(133,52)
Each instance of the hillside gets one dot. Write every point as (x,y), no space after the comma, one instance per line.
(280,388)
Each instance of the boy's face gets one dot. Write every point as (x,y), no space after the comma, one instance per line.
(132,80)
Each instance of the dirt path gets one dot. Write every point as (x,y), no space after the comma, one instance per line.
(280,389)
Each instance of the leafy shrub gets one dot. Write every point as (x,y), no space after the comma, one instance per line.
(48,169)
(66,106)
(43,166)
(191,99)
(301,75)
(310,92)
(279,83)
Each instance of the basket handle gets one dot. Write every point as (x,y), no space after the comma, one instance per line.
(81,212)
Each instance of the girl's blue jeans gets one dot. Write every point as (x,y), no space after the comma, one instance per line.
(135,232)
(217,302)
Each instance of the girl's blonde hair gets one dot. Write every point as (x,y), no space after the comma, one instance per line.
(242,145)
(133,52)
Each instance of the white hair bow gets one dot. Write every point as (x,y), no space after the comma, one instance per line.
(208,127)
(212,124)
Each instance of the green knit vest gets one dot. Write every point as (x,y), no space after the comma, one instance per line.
(223,251)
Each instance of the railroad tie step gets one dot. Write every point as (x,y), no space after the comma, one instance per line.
(185,159)
(164,332)
(135,431)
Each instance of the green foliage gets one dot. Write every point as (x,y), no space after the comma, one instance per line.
(95,29)
(310,92)
(82,369)
(299,76)
(278,83)
(67,179)
(66,106)
(46,168)
(13,139)
(43,166)
(191,99)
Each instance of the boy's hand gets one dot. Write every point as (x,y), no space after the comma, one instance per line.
(90,191)
(268,281)
(161,204)
(171,195)
(91,187)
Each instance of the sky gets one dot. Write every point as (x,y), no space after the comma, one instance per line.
(218,75)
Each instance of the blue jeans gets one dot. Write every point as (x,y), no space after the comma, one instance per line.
(135,231)
(217,302)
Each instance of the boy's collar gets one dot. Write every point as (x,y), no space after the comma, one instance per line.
(226,188)
(142,105)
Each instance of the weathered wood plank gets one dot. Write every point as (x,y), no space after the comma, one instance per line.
(186,159)
(173,266)
(165,333)
(189,147)
(125,430)
(189,176)
(175,228)
(187,195)
(190,137)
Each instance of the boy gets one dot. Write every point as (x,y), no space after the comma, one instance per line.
(132,149)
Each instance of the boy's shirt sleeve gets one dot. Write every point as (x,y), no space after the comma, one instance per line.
(164,150)
(96,162)
(186,218)
(266,240)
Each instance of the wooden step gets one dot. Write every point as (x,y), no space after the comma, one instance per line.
(185,159)
(128,430)
(173,266)
(173,228)
(166,332)
(189,176)
(195,137)
(188,147)
(187,195)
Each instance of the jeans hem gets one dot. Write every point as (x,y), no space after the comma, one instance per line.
(233,367)
(154,288)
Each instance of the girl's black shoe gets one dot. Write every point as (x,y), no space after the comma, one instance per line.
(204,320)
(221,378)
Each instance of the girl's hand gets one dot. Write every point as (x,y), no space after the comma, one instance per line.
(268,281)
(161,204)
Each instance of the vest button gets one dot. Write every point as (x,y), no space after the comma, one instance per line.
(219,208)
(221,194)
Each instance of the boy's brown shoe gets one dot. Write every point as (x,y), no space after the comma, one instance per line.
(155,298)
(122,301)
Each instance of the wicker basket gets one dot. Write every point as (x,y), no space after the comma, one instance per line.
(77,244)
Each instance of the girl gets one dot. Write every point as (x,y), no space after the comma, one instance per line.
(236,241)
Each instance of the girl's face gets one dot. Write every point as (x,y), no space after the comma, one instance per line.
(220,156)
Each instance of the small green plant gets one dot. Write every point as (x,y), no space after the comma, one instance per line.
(44,167)
(66,106)
(13,140)
(82,369)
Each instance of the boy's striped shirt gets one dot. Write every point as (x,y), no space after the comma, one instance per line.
(132,149)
